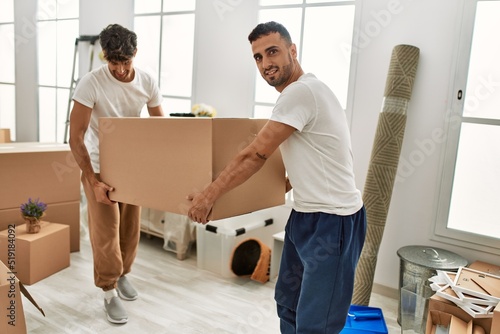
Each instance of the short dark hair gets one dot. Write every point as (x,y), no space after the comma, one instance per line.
(118,43)
(264,29)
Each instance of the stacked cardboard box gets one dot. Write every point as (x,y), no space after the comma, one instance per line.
(44,171)
(12,319)
(5,136)
(36,256)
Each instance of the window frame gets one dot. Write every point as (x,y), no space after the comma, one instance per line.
(4,117)
(61,90)
(454,119)
(162,13)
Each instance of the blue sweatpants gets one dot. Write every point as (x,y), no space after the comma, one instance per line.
(316,278)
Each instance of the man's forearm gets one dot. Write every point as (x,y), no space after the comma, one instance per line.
(236,172)
(82,158)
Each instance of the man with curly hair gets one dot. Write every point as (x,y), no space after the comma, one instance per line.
(116,89)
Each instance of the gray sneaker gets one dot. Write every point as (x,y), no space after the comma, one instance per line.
(115,311)
(125,290)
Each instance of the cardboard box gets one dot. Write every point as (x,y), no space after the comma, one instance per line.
(437,303)
(454,324)
(38,255)
(489,268)
(67,213)
(37,170)
(495,322)
(156,162)
(216,241)
(5,136)
(12,319)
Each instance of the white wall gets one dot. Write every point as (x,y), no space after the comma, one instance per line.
(432,27)
(223,57)
(95,15)
(26,70)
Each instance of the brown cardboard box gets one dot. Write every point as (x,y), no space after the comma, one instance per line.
(454,324)
(495,322)
(489,268)
(156,162)
(12,320)
(5,136)
(67,213)
(37,170)
(36,256)
(437,303)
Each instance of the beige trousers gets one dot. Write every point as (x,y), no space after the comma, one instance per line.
(114,236)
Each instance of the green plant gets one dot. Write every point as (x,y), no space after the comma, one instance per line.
(33,208)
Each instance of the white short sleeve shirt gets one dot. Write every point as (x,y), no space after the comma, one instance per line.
(317,156)
(109,97)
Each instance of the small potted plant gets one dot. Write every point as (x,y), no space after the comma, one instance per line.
(32,211)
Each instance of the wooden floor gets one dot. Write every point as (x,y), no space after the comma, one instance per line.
(175,297)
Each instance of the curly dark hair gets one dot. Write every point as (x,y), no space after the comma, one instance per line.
(264,29)
(118,43)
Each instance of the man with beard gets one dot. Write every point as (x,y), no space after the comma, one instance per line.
(326,229)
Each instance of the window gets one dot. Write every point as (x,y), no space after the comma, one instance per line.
(165,44)
(470,189)
(7,75)
(57,30)
(308,22)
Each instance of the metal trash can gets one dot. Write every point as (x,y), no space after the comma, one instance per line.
(417,265)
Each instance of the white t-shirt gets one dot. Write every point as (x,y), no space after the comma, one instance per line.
(109,97)
(318,156)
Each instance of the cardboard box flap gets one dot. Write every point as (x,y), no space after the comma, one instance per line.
(11,304)
(45,171)
(30,298)
(455,325)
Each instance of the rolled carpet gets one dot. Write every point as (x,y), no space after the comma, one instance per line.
(384,163)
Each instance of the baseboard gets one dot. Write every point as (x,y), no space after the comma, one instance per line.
(385,291)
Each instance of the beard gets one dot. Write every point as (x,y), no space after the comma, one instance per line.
(283,75)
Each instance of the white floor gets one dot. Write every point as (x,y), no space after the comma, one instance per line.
(175,297)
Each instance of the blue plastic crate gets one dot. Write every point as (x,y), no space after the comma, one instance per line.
(365,320)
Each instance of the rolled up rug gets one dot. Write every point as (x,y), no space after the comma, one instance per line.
(384,163)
